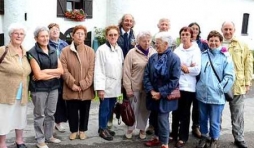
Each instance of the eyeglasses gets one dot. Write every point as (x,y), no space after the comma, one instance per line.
(185,34)
(80,33)
(18,34)
(113,35)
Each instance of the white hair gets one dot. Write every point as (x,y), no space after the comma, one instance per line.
(143,34)
(165,37)
(16,26)
(40,29)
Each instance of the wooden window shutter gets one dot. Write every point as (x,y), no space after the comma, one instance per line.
(88,6)
(1,6)
(61,7)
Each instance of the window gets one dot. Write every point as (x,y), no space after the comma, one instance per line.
(86,5)
(245,23)
(1,6)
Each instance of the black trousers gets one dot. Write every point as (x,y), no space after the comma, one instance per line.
(181,116)
(195,114)
(60,114)
(78,114)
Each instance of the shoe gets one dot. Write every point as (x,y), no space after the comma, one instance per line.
(142,135)
(153,142)
(180,144)
(112,133)
(105,134)
(240,144)
(73,136)
(214,144)
(21,145)
(53,140)
(82,135)
(60,127)
(128,134)
(150,130)
(41,145)
(171,140)
(202,142)
(163,146)
(196,132)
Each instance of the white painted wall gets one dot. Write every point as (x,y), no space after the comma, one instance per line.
(210,14)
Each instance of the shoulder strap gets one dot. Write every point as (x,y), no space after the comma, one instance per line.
(5,52)
(213,67)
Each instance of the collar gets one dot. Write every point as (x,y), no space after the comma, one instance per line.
(39,50)
(112,48)
(123,32)
(13,52)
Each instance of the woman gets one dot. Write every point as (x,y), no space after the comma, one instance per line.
(58,44)
(107,78)
(14,89)
(44,84)
(78,65)
(195,109)
(190,56)
(161,77)
(210,91)
(134,66)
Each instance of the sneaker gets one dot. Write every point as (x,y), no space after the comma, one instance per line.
(196,132)
(73,136)
(240,144)
(153,142)
(128,134)
(150,130)
(82,135)
(53,140)
(42,145)
(142,135)
(60,127)
(214,144)
(105,134)
(202,142)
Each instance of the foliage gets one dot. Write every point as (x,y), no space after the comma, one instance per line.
(76,14)
(100,35)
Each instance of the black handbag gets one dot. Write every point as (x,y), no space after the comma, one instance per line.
(229,96)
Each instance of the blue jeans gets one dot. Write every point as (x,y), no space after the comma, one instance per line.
(161,126)
(105,111)
(212,113)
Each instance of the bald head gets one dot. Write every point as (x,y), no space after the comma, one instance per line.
(228,30)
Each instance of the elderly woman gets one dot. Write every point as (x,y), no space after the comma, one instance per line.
(190,56)
(134,66)
(161,77)
(107,78)
(44,84)
(58,44)
(14,89)
(78,64)
(210,90)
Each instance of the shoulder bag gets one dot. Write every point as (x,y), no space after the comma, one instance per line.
(5,52)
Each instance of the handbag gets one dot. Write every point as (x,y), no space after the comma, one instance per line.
(5,52)
(229,96)
(174,95)
(124,110)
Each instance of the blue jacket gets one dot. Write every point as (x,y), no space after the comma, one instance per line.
(58,46)
(209,90)
(164,80)
(202,45)
(120,42)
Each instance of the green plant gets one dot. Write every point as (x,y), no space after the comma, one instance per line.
(100,35)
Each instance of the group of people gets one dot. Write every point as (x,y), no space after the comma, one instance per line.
(62,80)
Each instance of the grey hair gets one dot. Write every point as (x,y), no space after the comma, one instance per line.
(164,19)
(143,34)
(16,26)
(165,37)
(40,29)
(120,24)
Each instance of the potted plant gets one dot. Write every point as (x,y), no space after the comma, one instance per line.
(75,14)
(100,35)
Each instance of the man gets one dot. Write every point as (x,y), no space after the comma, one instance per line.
(242,58)
(126,39)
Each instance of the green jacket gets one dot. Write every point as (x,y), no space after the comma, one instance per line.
(243,63)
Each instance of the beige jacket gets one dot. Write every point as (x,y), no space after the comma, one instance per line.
(78,68)
(134,67)
(243,63)
(12,73)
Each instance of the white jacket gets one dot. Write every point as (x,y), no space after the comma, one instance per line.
(108,70)
(189,56)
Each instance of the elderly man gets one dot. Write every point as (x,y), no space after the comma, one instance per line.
(242,59)
(126,39)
